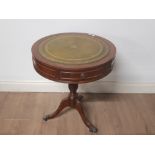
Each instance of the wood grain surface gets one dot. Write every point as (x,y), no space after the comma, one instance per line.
(113,114)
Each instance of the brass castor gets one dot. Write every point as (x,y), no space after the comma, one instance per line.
(93,129)
(45,118)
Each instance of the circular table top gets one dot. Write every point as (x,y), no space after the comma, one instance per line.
(73,50)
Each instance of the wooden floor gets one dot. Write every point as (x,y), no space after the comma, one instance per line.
(21,113)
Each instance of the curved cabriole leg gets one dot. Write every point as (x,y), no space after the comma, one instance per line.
(64,103)
(79,108)
(73,101)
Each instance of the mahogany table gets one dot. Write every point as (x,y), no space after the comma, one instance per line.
(73,58)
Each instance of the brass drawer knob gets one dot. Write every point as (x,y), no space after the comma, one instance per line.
(82,75)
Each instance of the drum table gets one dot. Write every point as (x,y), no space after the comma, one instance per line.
(73,58)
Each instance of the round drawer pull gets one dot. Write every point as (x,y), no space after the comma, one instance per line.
(82,75)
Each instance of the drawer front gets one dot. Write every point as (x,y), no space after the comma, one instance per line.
(85,75)
(66,76)
(44,70)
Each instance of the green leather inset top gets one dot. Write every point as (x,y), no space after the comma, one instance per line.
(73,49)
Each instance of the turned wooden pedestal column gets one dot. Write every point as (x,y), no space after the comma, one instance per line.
(73,58)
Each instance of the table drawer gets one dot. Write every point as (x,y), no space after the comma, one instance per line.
(83,76)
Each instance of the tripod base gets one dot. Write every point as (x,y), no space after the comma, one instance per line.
(73,101)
